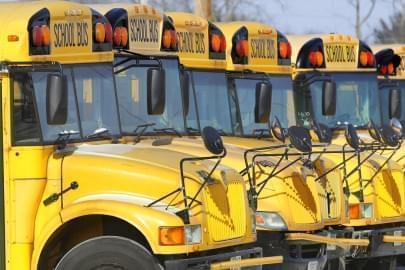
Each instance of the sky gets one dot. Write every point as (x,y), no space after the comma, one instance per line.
(303,16)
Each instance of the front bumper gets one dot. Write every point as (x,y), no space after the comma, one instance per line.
(298,254)
(383,242)
(249,258)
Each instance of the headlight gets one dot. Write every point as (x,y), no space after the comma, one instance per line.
(367,210)
(193,234)
(268,220)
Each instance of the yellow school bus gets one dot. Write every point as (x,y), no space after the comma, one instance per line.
(203,50)
(150,41)
(74,198)
(268,57)
(347,65)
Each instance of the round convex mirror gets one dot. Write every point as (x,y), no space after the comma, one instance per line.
(322,131)
(212,140)
(388,136)
(397,126)
(277,130)
(352,137)
(300,138)
(373,131)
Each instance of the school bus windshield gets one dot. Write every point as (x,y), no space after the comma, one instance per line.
(384,96)
(231,111)
(357,101)
(91,104)
(282,102)
(131,79)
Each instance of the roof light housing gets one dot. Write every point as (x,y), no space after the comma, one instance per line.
(217,42)
(366,56)
(387,62)
(102,34)
(311,55)
(240,46)
(39,33)
(284,50)
(118,17)
(169,35)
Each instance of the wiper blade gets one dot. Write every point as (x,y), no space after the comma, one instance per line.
(260,132)
(168,131)
(64,137)
(140,130)
(222,132)
(99,133)
(193,130)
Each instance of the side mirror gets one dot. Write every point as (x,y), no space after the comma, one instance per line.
(328,98)
(212,140)
(185,91)
(395,103)
(352,137)
(263,102)
(300,138)
(278,131)
(156,91)
(56,100)
(397,126)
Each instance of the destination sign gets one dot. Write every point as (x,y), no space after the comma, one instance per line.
(144,30)
(71,34)
(192,42)
(341,55)
(263,48)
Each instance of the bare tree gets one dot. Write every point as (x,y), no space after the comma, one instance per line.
(360,20)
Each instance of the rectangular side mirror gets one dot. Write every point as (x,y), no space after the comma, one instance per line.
(395,103)
(328,98)
(156,91)
(263,102)
(185,91)
(56,100)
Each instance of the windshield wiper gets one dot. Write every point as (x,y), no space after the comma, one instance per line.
(222,132)
(64,137)
(140,130)
(260,132)
(192,130)
(168,131)
(100,133)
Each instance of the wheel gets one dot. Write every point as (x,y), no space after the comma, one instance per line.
(108,253)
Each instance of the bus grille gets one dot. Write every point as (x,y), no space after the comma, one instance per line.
(226,210)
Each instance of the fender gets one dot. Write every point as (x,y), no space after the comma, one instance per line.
(144,219)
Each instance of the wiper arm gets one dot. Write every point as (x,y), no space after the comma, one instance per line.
(140,130)
(64,137)
(99,133)
(259,133)
(193,130)
(222,132)
(168,131)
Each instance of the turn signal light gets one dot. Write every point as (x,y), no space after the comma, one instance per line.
(215,43)
(99,32)
(171,236)
(41,36)
(242,48)
(284,49)
(316,59)
(354,211)
(390,68)
(120,36)
(169,39)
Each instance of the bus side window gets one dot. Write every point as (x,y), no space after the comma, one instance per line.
(25,122)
